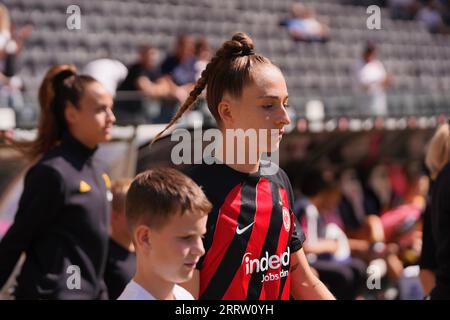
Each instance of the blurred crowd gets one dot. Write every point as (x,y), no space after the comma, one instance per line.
(169,80)
(151,87)
(12,41)
(434,14)
(362,220)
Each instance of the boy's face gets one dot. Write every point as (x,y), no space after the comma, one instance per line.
(176,248)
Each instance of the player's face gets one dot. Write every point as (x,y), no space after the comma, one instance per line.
(179,247)
(262,106)
(92,121)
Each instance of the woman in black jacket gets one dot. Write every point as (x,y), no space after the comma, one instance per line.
(438,161)
(62,219)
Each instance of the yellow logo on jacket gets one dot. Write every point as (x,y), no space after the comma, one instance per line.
(107,180)
(84,186)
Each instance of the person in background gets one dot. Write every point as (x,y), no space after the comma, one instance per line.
(181,65)
(327,247)
(12,41)
(305,26)
(62,219)
(145,81)
(203,55)
(121,264)
(371,82)
(435,251)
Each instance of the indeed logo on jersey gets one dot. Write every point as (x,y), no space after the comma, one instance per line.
(267,263)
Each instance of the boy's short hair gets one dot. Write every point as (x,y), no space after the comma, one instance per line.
(119,189)
(156,195)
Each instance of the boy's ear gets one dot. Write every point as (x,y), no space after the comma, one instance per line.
(142,236)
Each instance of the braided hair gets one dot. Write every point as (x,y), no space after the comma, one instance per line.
(228,71)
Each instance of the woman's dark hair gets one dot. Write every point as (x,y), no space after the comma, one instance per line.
(61,86)
(369,49)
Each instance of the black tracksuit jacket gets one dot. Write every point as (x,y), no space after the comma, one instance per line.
(62,226)
(440,227)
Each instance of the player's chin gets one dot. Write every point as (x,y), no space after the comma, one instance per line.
(185,274)
(105,137)
(271,147)
(108,137)
(106,133)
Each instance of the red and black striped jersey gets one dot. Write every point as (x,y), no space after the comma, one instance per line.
(250,233)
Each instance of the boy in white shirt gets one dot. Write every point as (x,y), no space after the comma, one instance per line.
(166,213)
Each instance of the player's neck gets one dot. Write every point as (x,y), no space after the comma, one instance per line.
(83,141)
(249,165)
(246,168)
(155,285)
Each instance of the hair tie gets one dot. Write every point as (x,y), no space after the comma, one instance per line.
(247,51)
(60,77)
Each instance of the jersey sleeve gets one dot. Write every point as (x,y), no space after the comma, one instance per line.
(298,236)
(428,253)
(41,200)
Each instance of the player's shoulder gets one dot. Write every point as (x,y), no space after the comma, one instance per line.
(49,167)
(274,172)
(205,172)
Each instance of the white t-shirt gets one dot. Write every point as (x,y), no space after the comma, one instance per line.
(332,232)
(133,291)
(372,75)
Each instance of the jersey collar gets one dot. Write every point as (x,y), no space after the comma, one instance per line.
(75,145)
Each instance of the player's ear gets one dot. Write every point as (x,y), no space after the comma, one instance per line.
(142,235)
(71,113)
(224,109)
